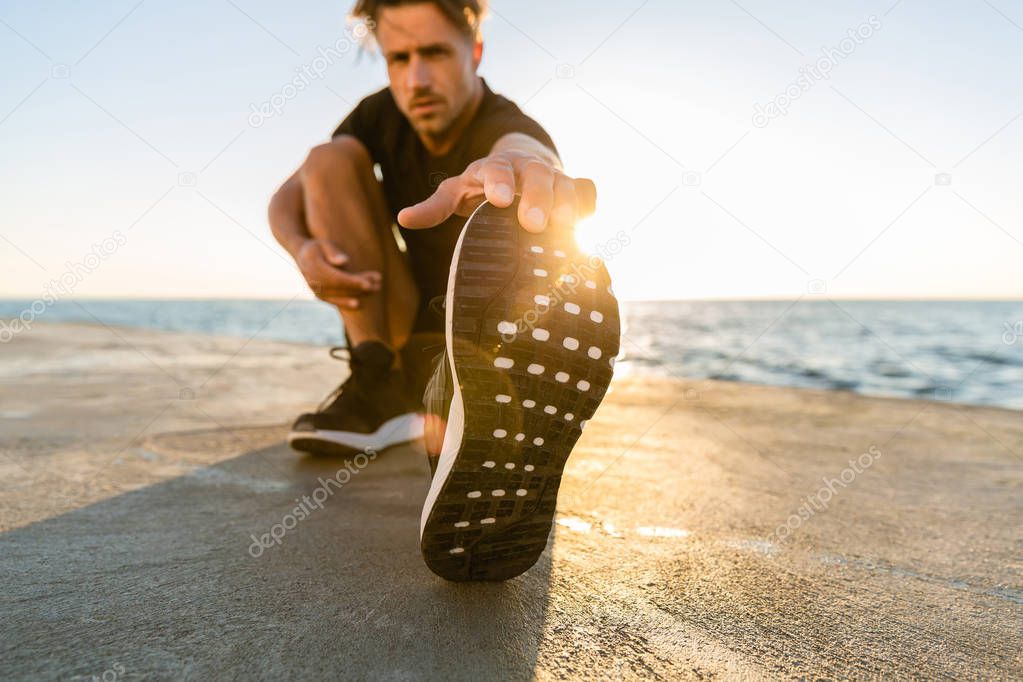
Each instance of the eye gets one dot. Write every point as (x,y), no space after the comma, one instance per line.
(434,52)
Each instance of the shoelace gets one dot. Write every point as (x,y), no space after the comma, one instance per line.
(436,306)
(339,353)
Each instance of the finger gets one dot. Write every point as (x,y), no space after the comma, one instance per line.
(586,196)
(345,303)
(337,298)
(436,208)
(332,294)
(355,283)
(564,213)
(332,283)
(371,278)
(537,182)
(498,178)
(334,255)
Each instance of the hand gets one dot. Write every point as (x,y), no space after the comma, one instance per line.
(322,265)
(549,197)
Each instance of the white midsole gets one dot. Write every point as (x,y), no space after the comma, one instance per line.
(400,429)
(455,426)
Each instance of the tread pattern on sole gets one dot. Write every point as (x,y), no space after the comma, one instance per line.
(526,395)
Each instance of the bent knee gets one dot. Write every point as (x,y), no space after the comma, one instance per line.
(340,157)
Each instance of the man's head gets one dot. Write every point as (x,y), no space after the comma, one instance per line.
(432,48)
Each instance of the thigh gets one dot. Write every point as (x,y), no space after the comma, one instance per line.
(342,193)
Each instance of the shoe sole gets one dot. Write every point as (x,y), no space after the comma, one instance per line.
(527,371)
(401,429)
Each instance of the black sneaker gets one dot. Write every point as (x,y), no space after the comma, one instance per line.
(369,411)
(532,330)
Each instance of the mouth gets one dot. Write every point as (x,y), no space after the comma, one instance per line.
(425,107)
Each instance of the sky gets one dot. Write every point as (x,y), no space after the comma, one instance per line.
(745,149)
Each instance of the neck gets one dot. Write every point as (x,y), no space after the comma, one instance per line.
(441,144)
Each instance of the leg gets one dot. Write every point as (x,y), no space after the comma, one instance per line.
(344,204)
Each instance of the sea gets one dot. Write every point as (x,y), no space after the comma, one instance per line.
(961,351)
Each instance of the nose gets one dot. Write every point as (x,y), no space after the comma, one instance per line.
(418,73)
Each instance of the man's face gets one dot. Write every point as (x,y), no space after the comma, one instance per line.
(430,64)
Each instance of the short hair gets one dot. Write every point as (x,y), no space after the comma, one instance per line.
(466,15)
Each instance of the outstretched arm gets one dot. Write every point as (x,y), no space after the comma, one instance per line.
(519,164)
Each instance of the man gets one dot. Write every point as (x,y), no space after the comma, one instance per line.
(442,142)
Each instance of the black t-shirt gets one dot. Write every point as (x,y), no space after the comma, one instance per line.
(411,173)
